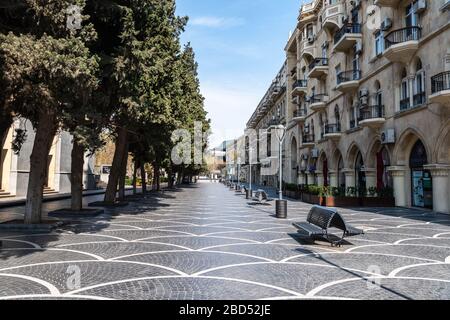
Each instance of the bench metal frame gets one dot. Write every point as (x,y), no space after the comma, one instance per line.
(326,218)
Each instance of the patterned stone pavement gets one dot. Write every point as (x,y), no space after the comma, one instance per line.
(207,242)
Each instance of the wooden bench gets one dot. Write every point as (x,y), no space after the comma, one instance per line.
(321,219)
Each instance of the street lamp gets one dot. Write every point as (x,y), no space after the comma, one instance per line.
(281,205)
(250,192)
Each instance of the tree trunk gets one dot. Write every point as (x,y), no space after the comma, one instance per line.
(123,175)
(76,184)
(144,178)
(157,178)
(135,169)
(121,145)
(45,133)
(170,174)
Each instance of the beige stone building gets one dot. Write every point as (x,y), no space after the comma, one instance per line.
(367,99)
(15,167)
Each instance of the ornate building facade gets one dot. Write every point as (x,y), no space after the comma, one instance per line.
(367,96)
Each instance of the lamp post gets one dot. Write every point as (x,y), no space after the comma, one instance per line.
(250,192)
(280,204)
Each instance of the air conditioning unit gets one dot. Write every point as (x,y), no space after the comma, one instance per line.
(364,92)
(311,39)
(315,153)
(356,3)
(386,24)
(364,101)
(358,48)
(345,19)
(421,6)
(388,136)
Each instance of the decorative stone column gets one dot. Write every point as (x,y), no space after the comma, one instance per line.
(398,176)
(310,177)
(371,178)
(349,177)
(333,179)
(301,179)
(320,178)
(441,187)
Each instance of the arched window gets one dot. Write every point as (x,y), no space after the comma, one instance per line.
(337,116)
(378,97)
(419,84)
(404,92)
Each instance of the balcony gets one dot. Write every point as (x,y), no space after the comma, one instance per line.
(318,69)
(402,44)
(333,131)
(372,116)
(308,140)
(348,81)
(405,104)
(440,88)
(387,3)
(299,115)
(300,87)
(347,37)
(332,16)
(318,102)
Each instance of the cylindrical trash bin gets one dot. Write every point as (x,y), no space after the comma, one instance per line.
(281,209)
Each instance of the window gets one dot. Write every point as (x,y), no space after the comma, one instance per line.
(411,16)
(309,31)
(404,92)
(324,51)
(419,85)
(355,61)
(379,43)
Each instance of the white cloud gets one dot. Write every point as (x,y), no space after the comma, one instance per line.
(217,22)
(229,110)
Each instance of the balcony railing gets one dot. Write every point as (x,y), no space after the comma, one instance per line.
(348,28)
(308,138)
(419,98)
(318,62)
(403,35)
(300,84)
(440,82)
(405,104)
(333,128)
(317,98)
(299,113)
(346,76)
(371,112)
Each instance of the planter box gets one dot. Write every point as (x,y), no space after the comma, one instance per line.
(292,194)
(312,199)
(378,202)
(342,201)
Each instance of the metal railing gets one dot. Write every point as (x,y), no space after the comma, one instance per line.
(351,75)
(308,138)
(405,104)
(371,112)
(318,62)
(347,28)
(403,35)
(440,82)
(419,98)
(333,128)
(300,84)
(322,97)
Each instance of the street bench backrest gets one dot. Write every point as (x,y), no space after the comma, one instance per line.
(321,217)
(338,222)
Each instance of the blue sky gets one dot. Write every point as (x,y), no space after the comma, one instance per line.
(239,46)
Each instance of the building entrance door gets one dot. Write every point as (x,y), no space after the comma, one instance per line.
(421,180)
